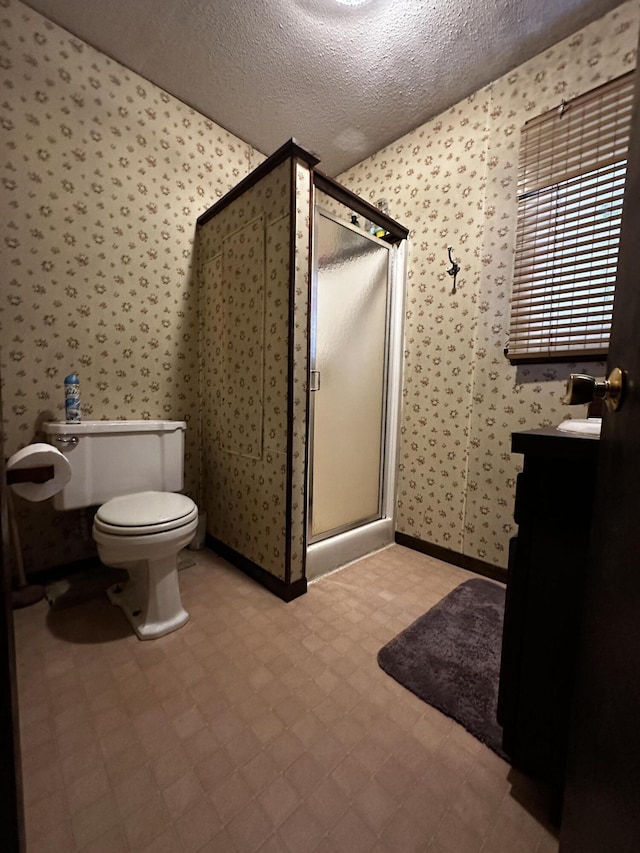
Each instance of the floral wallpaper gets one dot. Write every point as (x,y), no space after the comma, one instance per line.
(453,183)
(244,309)
(242,340)
(103,177)
(245,297)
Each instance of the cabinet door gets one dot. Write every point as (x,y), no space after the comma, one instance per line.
(543,610)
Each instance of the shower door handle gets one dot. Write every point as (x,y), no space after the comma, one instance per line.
(314,380)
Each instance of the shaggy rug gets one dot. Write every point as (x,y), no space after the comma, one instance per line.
(450,658)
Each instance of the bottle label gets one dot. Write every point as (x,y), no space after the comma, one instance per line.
(72,403)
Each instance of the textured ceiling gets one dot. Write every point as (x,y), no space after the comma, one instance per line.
(343,80)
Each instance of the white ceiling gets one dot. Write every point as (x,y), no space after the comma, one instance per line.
(344,81)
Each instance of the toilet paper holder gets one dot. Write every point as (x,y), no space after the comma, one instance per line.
(37,471)
(37,474)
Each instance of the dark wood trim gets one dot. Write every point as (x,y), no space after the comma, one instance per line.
(331,187)
(287,592)
(290,149)
(11,792)
(463,561)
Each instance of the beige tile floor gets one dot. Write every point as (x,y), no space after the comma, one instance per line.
(259,726)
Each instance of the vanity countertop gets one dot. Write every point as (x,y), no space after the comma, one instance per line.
(552,443)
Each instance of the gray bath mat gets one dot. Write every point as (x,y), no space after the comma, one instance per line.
(450,658)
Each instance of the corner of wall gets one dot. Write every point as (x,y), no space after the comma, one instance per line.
(481,249)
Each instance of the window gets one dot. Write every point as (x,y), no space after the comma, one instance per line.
(570,188)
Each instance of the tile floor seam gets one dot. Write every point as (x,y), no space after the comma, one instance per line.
(493,823)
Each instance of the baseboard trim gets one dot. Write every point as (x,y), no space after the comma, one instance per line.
(285,591)
(463,561)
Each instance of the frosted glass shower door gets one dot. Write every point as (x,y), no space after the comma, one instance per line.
(348,361)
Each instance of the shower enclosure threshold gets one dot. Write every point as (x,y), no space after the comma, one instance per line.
(333,553)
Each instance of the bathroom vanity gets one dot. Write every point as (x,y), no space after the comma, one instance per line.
(545,588)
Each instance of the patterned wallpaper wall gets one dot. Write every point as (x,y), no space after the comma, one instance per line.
(243,256)
(453,183)
(103,177)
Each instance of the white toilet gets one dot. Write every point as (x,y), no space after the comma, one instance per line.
(133,470)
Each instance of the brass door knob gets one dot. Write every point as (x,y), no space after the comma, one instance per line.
(582,388)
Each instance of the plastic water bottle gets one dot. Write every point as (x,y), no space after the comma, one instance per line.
(72,398)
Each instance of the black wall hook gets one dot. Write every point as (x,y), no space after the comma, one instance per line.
(453,271)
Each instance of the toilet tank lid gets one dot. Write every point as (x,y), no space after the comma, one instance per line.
(98,427)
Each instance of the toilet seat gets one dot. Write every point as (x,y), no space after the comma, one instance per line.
(145,513)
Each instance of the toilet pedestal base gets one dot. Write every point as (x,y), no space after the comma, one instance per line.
(152,609)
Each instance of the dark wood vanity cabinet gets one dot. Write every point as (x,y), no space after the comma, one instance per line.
(545,586)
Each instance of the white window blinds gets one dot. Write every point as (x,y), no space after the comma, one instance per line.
(570,187)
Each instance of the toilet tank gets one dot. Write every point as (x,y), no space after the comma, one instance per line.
(112,458)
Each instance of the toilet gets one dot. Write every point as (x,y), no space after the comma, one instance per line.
(134,471)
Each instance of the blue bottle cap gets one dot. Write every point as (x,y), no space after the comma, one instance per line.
(71,379)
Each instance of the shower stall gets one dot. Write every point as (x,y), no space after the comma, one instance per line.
(355,371)
(301,289)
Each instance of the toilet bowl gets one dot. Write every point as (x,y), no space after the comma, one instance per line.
(134,472)
(143,534)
